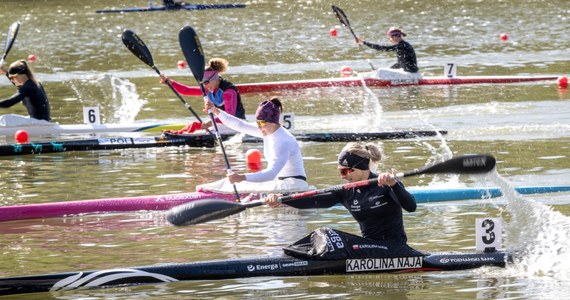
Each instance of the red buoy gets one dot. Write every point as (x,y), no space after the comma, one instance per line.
(253,157)
(32,58)
(21,137)
(181,64)
(346,71)
(563,82)
(333,32)
(504,37)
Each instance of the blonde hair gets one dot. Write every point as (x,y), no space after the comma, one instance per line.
(217,64)
(369,150)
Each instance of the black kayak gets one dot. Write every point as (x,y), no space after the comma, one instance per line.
(106,144)
(325,251)
(251,267)
(325,137)
(185,6)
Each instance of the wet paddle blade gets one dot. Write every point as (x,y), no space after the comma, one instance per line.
(341,16)
(137,47)
(193,52)
(467,164)
(10,39)
(202,211)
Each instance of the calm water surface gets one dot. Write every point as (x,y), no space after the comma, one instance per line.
(82,62)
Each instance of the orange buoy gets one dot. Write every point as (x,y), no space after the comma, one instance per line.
(21,137)
(253,157)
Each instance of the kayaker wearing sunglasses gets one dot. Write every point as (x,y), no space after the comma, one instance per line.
(30,92)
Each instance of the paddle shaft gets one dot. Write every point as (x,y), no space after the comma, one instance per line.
(468,164)
(209,210)
(194,54)
(11,38)
(344,21)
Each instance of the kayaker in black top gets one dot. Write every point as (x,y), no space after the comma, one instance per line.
(405,52)
(30,91)
(221,92)
(376,208)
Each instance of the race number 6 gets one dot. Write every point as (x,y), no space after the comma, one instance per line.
(488,234)
(91,115)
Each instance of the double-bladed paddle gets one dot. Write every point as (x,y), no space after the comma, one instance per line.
(136,45)
(212,209)
(344,21)
(194,54)
(12,33)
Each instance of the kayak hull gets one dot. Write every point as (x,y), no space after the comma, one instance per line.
(110,143)
(264,87)
(171,8)
(250,267)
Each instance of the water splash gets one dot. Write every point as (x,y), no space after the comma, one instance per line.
(125,99)
(538,235)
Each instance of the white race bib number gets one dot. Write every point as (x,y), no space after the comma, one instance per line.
(288,121)
(488,233)
(450,70)
(91,115)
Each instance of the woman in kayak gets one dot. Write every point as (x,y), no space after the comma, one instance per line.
(30,92)
(404,51)
(285,169)
(376,208)
(221,92)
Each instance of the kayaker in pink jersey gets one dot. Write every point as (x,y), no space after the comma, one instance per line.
(221,92)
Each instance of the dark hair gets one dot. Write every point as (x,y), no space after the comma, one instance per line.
(277,103)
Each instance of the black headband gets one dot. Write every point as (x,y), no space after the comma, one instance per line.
(353,161)
(20,69)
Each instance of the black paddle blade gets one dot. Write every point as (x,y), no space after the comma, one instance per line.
(193,52)
(341,16)
(467,164)
(202,211)
(12,33)
(137,47)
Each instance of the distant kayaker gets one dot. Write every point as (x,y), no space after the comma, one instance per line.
(405,52)
(376,208)
(30,92)
(285,169)
(221,92)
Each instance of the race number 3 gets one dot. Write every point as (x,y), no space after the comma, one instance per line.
(488,233)
(91,115)
(450,70)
